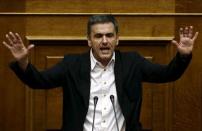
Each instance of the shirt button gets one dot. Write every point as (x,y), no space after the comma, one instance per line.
(104,121)
(104,95)
(105,83)
(105,108)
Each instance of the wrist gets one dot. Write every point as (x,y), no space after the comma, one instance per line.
(187,55)
(23,63)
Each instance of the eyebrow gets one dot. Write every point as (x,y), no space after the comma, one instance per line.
(107,34)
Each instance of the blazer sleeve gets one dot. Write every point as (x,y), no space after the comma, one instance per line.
(164,73)
(49,78)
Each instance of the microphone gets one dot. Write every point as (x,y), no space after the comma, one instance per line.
(95,98)
(112,100)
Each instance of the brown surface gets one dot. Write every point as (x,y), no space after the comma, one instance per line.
(175,107)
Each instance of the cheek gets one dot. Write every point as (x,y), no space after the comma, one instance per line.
(95,45)
(114,44)
(95,48)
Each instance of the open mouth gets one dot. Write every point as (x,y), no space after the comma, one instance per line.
(105,49)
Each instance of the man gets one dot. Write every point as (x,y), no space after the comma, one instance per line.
(101,78)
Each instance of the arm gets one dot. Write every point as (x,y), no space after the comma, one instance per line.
(172,71)
(50,78)
(157,73)
(26,71)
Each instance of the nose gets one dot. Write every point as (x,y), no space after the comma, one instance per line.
(104,39)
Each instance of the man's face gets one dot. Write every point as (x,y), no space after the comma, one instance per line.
(103,40)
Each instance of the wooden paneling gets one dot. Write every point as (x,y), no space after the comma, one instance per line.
(175,107)
(54,98)
(104,6)
(187,97)
(130,26)
(187,94)
(12,106)
(12,6)
(188,6)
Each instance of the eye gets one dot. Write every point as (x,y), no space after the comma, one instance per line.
(98,35)
(110,35)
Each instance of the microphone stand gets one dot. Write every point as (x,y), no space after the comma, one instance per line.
(112,100)
(95,103)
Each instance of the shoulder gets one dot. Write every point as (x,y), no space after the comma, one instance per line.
(128,55)
(76,59)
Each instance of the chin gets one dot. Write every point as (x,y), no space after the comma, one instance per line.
(106,58)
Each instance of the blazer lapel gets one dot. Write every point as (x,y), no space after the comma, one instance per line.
(85,78)
(118,77)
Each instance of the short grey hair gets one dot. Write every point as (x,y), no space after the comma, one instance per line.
(95,19)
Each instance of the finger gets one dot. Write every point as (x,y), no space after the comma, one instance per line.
(181,32)
(13,37)
(9,39)
(30,47)
(175,42)
(195,36)
(190,34)
(186,31)
(18,37)
(7,45)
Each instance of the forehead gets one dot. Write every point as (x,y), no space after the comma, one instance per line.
(103,28)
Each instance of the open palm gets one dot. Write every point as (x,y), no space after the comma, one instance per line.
(17,47)
(187,40)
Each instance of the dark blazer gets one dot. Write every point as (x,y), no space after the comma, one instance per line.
(73,74)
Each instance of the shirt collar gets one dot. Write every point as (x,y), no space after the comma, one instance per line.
(94,61)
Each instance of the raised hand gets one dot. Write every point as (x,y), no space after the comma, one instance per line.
(187,40)
(17,48)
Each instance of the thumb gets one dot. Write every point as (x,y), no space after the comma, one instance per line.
(30,47)
(175,42)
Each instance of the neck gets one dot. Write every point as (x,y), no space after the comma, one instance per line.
(104,62)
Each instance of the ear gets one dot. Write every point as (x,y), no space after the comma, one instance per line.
(117,42)
(89,42)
